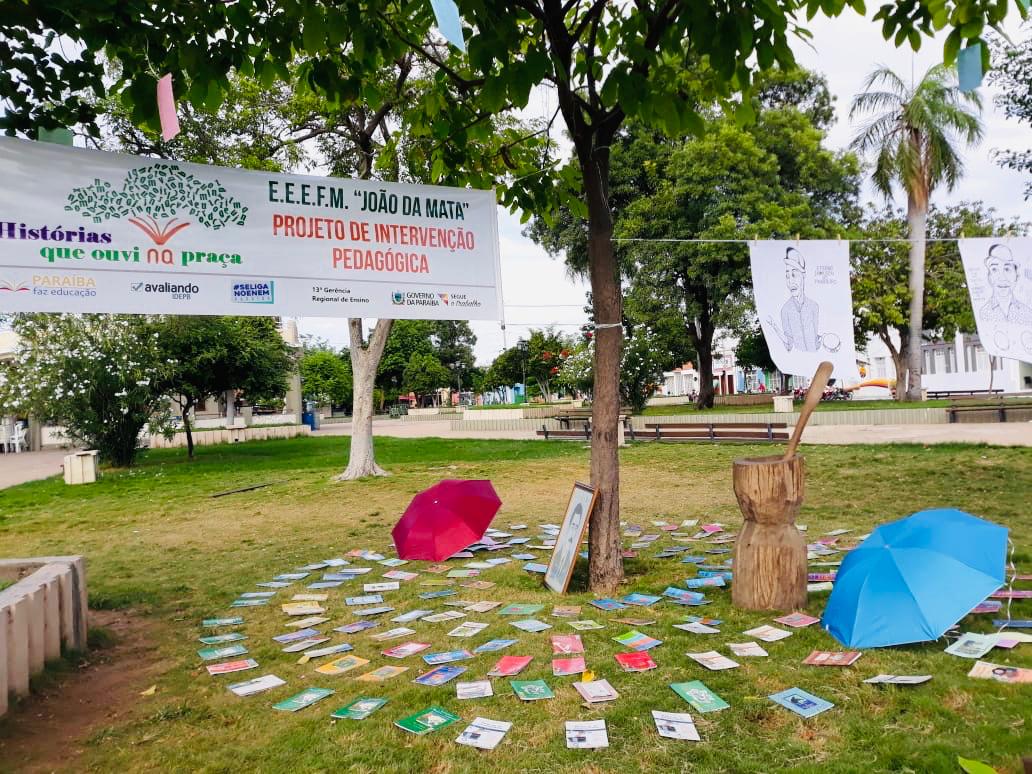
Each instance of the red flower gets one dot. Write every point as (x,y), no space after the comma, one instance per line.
(555,370)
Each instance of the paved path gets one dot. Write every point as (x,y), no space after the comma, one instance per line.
(29,466)
(425,429)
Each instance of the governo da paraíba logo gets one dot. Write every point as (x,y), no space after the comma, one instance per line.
(159,200)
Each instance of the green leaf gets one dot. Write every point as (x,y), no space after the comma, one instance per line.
(492,96)
(975,767)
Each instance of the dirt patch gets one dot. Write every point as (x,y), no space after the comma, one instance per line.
(47,731)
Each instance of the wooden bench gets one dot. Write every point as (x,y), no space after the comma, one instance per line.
(567,417)
(584,434)
(1019,410)
(950,394)
(774,432)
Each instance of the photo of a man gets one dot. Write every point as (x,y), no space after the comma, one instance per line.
(1002,275)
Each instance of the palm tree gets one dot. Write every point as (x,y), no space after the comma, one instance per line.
(913,134)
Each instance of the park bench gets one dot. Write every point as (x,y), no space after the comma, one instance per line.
(776,432)
(999,410)
(950,394)
(581,434)
(567,417)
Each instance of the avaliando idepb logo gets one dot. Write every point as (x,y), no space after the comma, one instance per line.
(154,198)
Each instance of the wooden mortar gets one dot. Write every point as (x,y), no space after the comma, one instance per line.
(770,553)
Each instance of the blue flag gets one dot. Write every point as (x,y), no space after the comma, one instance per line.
(448,22)
(969,67)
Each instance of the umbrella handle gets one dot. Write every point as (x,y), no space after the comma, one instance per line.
(813,397)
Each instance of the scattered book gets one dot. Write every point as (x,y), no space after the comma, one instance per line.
(301,634)
(306,698)
(822,586)
(273,584)
(832,658)
(607,604)
(359,709)
(410,616)
(356,627)
(365,599)
(393,634)
(696,628)
(304,623)
(430,719)
(228,667)
(899,679)
(713,660)
(447,615)
(972,645)
(520,609)
(1012,594)
(385,586)
(467,573)
(219,639)
(302,608)
(635,640)
(699,696)
(257,685)
(479,689)
(746,649)
(567,643)
(586,734)
(531,690)
(310,597)
(767,633)
(479,585)
(437,568)
(988,606)
(509,666)
(676,725)
(213,654)
(801,702)
(586,625)
(308,655)
(531,625)
(702,583)
(406,649)
(257,594)
(797,620)
(636,661)
(482,607)
(305,644)
(248,602)
(438,594)
(440,676)
(233,621)
(467,629)
(484,734)
(382,674)
(341,665)
(564,667)
(643,600)
(595,691)
(493,645)
(1015,623)
(1003,674)
(447,657)
(684,596)
(635,621)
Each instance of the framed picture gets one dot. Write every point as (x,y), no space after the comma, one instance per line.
(567,545)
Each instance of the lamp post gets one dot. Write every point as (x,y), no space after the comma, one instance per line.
(521,347)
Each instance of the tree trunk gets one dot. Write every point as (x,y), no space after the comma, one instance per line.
(899,362)
(189,430)
(365,359)
(605,569)
(704,349)
(917,214)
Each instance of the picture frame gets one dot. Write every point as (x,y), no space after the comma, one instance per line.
(571,533)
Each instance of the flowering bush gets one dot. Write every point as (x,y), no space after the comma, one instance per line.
(98,376)
(640,368)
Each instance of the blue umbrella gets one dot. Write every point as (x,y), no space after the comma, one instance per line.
(912,579)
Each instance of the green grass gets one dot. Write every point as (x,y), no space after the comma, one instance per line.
(157,542)
(837,405)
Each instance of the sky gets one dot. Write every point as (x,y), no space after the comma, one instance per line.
(537,289)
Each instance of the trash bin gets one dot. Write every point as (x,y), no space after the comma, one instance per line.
(81,467)
(307,419)
(783,404)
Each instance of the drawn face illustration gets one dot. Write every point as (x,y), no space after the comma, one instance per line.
(1002,274)
(794,280)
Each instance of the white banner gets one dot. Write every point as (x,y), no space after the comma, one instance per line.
(86,231)
(805,305)
(999,279)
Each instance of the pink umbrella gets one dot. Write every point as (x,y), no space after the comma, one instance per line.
(445,518)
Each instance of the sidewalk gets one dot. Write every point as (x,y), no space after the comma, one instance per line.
(30,466)
(996,434)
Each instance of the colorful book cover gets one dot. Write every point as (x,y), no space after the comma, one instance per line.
(972,645)
(297,647)
(257,685)
(1003,674)
(482,607)
(642,600)
(535,567)
(567,643)
(381,674)
(635,640)
(406,649)
(233,621)
(440,676)
(257,594)
(635,621)
(300,634)
(479,585)
(330,650)
(685,597)
(564,667)
(291,576)
(425,721)
(359,709)
(220,639)
(531,690)
(635,661)
(248,602)
(699,696)
(493,645)
(438,594)
(797,620)
(832,658)
(586,734)
(370,588)
(988,606)
(520,609)
(393,634)
(767,633)
(341,665)
(368,611)
(356,627)
(1012,623)
(305,623)
(228,667)
(467,629)
(302,608)
(479,689)
(586,625)
(306,698)
(696,628)
(607,604)
(213,654)
(437,568)
(364,599)
(566,611)
(711,659)
(484,734)
(400,575)
(531,625)
(310,597)
(463,573)
(676,725)
(751,649)
(447,615)
(801,702)
(410,616)
(899,679)
(508,666)
(594,691)
(447,657)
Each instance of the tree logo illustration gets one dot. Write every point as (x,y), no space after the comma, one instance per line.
(156,193)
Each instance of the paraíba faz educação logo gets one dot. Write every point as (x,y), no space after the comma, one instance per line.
(154,196)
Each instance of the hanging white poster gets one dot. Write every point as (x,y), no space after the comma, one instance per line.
(805,305)
(999,279)
(87,231)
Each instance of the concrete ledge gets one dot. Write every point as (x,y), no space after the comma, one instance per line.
(45,609)
(233,435)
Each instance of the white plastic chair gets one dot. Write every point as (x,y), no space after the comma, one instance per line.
(18,439)
(5,438)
